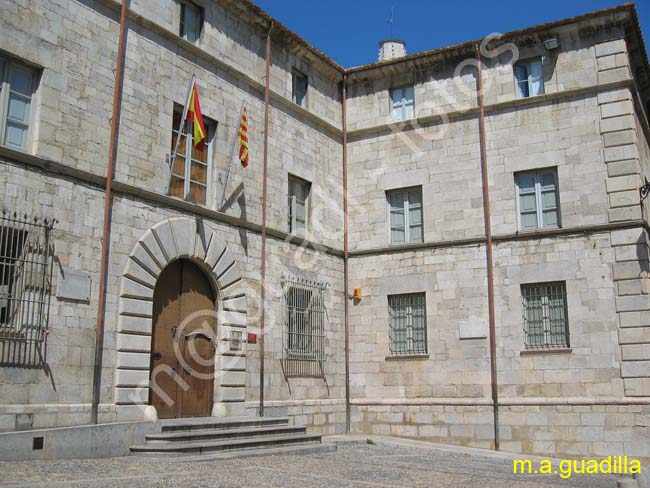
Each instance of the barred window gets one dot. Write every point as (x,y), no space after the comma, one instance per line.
(304,331)
(25,281)
(545,316)
(407,324)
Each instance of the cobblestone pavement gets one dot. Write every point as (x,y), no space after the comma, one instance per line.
(350,466)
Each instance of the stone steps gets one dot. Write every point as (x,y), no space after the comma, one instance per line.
(228,437)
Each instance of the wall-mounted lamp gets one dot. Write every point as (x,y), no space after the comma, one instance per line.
(552,43)
(644,191)
(357,294)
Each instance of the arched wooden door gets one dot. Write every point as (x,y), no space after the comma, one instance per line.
(183,342)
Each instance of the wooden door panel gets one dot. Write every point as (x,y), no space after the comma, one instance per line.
(166,315)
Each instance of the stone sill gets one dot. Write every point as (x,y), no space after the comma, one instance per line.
(532,352)
(412,357)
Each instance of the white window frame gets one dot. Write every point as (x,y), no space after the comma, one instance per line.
(182,28)
(404,101)
(5,91)
(538,198)
(295,75)
(189,141)
(407,223)
(293,205)
(528,63)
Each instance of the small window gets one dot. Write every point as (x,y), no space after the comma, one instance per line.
(16,90)
(191,21)
(191,174)
(405,215)
(528,75)
(545,316)
(402,103)
(407,324)
(538,199)
(304,332)
(299,84)
(298,205)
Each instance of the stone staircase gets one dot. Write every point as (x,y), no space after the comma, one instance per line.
(227,438)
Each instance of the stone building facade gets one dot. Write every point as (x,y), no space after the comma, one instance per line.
(588,127)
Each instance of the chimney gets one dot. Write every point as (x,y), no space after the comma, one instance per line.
(391,49)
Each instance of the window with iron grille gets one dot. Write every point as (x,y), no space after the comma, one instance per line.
(17,83)
(538,201)
(25,281)
(545,316)
(191,21)
(405,215)
(304,327)
(299,85)
(407,324)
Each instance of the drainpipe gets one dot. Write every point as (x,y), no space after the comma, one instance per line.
(108,208)
(266,160)
(488,250)
(345,253)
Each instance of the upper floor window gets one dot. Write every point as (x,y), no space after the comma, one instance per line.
(16,90)
(191,21)
(405,215)
(299,84)
(528,75)
(545,316)
(298,205)
(402,103)
(537,199)
(407,324)
(191,173)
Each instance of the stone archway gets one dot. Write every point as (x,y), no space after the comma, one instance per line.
(172,239)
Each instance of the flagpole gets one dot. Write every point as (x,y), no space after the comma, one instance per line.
(180,131)
(232,152)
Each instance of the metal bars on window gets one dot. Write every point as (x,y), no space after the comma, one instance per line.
(545,316)
(25,281)
(407,324)
(304,327)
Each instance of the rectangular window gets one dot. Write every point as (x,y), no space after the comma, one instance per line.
(191,21)
(304,332)
(538,201)
(407,324)
(299,84)
(529,79)
(545,316)
(405,215)
(298,205)
(25,282)
(191,174)
(402,103)
(16,89)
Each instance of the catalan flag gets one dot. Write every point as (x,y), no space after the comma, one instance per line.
(243,139)
(194,115)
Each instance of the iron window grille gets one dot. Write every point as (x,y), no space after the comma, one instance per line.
(25,281)
(407,324)
(304,327)
(545,315)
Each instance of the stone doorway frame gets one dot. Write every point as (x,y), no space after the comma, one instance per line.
(167,241)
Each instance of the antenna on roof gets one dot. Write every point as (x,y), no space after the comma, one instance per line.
(391,21)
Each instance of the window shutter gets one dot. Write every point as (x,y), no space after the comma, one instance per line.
(396,104)
(548,189)
(527,201)
(409,102)
(415,216)
(397,218)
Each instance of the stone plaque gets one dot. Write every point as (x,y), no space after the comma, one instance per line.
(473,329)
(73,285)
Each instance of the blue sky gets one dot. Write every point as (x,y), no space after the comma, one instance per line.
(348,31)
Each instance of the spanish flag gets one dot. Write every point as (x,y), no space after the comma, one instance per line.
(243,139)
(194,115)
